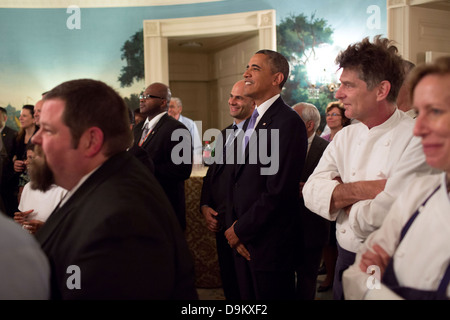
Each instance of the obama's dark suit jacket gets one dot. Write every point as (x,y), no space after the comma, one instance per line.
(121,234)
(170,175)
(266,206)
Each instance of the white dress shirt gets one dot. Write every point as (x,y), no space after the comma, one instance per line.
(151,124)
(423,256)
(357,153)
(196,140)
(42,203)
(263,107)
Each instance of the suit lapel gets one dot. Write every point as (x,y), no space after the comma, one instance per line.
(264,123)
(54,221)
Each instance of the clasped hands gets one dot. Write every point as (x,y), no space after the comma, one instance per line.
(235,243)
(213,225)
(375,257)
(31,225)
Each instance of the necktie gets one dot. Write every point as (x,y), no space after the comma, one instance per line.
(145,133)
(250,127)
(229,142)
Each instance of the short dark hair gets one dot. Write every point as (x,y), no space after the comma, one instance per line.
(92,103)
(439,67)
(375,62)
(407,66)
(29,107)
(278,63)
(3,110)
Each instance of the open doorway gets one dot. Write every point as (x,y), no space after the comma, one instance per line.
(202,57)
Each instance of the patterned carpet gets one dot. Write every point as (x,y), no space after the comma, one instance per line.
(217,293)
(210,294)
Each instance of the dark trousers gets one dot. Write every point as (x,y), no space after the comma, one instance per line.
(263,285)
(226,265)
(344,260)
(307,273)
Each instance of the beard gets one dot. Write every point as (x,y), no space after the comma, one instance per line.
(41,176)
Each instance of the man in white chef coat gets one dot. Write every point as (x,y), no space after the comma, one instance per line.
(367,164)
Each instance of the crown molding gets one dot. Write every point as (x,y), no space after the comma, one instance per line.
(40,4)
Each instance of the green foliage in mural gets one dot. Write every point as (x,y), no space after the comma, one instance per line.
(298,37)
(13,117)
(132,102)
(133,54)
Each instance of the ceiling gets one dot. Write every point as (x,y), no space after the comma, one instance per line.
(207,44)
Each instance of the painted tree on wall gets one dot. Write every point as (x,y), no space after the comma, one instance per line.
(297,39)
(133,54)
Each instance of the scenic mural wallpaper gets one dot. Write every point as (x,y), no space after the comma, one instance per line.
(42,47)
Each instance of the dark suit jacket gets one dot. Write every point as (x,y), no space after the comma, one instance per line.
(8,182)
(122,233)
(9,137)
(216,182)
(9,140)
(266,207)
(171,176)
(316,229)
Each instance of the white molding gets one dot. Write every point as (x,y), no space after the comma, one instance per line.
(419,26)
(39,4)
(157,32)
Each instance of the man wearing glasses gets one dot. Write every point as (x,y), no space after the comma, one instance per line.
(155,136)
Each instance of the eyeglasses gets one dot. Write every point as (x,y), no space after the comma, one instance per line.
(149,96)
(333,115)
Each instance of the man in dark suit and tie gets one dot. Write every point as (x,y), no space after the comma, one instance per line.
(161,136)
(315,229)
(114,235)
(8,136)
(262,218)
(213,201)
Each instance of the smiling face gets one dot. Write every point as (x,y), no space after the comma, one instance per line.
(359,102)
(431,99)
(241,107)
(334,118)
(260,83)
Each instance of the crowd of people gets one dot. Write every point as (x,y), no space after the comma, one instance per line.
(101,212)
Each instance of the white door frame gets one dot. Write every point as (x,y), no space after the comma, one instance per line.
(157,33)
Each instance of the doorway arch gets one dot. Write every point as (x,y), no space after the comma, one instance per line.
(158,32)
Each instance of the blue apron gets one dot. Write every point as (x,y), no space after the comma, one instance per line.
(390,280)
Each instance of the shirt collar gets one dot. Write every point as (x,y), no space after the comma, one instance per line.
(239,125)
(152,123)
(263,107)
(310,140)
(79,184)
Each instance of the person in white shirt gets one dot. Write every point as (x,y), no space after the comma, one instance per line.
(174,110)
(35,205)
(367,164)
(409,254)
